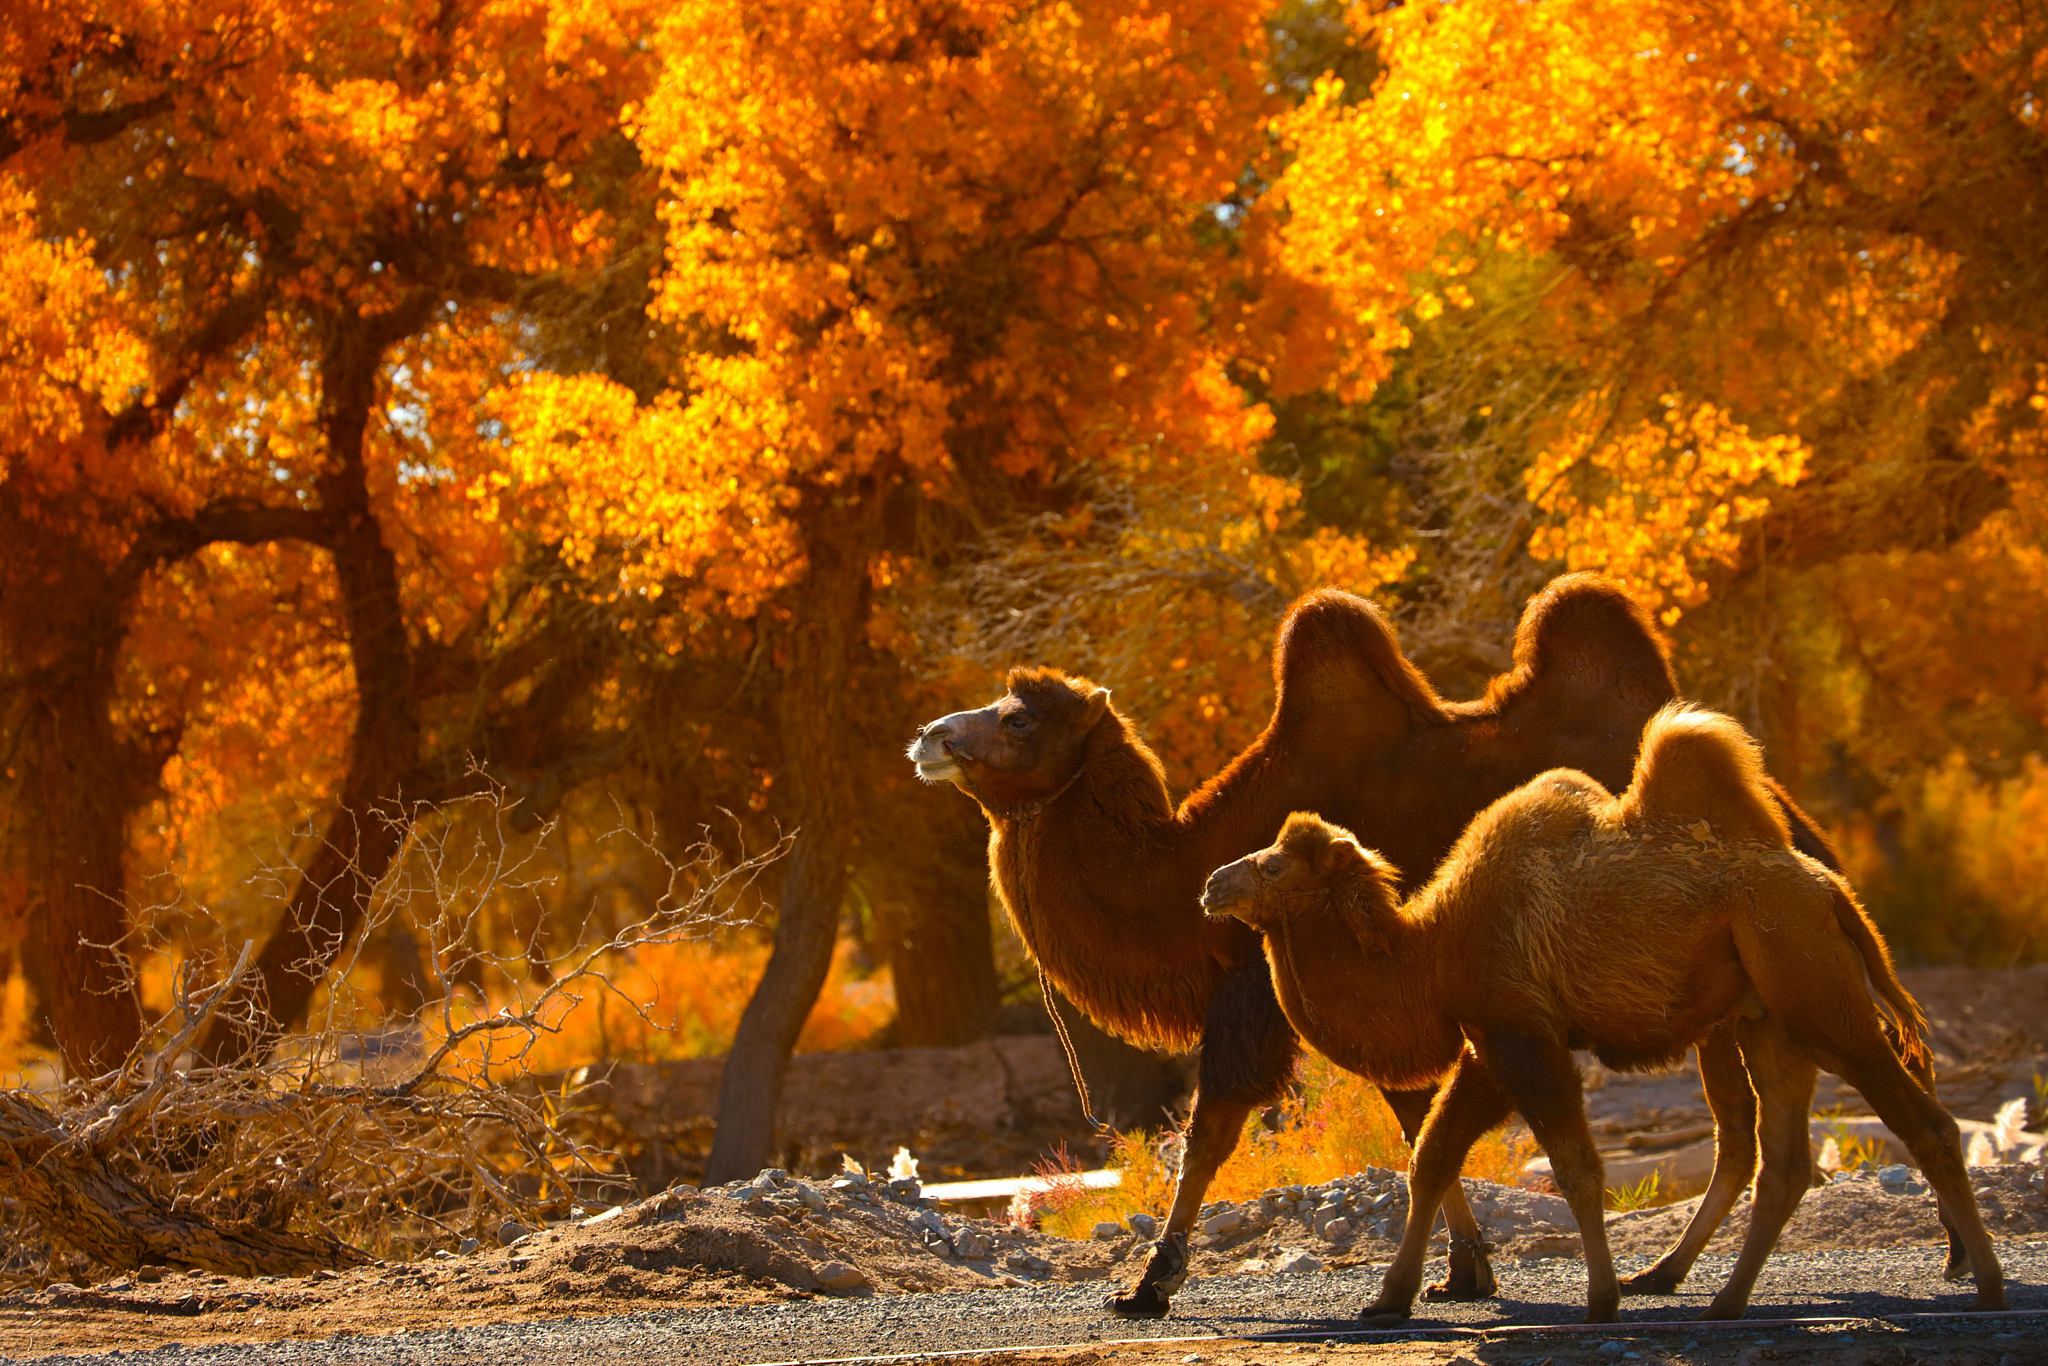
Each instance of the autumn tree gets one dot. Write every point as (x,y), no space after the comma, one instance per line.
(1790,299)
(262,204)
(948,260)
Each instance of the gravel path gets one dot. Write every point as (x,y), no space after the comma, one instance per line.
(1861,1285)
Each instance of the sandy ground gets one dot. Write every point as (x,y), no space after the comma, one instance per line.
(794,1241)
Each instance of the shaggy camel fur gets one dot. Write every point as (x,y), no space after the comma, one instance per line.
(1569,918)
(1101,874)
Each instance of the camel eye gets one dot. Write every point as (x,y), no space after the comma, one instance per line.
(1018,721)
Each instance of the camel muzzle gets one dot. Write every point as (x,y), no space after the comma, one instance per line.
(1227,886)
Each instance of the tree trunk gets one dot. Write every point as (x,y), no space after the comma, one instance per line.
(933,917)
(370,826)
(828,619)
(77,782)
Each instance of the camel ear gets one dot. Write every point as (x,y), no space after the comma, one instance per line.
(1098,703)
(1342,852)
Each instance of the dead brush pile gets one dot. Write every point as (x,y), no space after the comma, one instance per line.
(348,1142)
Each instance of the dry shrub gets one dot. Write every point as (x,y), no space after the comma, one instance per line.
(1955,865)
(357,1136)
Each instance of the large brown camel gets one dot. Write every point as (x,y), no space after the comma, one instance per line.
(1101,874)
(1635,925)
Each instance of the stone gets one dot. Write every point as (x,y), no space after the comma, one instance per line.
(905,1188)
(467,1246)
(1223,1221)
(970,1243)
(1145,1226)
(1296,1263)
(841,1279)
(511,1231)
(1336,1229)
(813,1199)
(771,1176)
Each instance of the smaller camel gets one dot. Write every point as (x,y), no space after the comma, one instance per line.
(1566,917)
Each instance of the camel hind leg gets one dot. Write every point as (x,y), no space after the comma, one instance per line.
(1726,1082)
(1782,1078)
(1813,982)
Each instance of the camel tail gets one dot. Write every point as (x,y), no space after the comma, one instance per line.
(1908,1023)
(1697,765)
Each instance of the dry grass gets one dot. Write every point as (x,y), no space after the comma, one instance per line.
(1334,1125)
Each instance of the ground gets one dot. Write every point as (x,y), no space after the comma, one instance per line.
(825,1247)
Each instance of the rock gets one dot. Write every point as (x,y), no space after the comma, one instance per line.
(1028,1264)
(841,1279)
(1145,1226)
(771,1176)
(442,1254)
(467,1246)
(970,1243)
(1296,1263)
(511,1231)
(813,1199)
(150,1275)
(1337,1229)
(1222,1221)
(905,1188)
(1108,1231)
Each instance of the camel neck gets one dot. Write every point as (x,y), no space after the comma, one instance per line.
(1364,1005)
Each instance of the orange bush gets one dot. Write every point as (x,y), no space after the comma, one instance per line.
(1335,1125)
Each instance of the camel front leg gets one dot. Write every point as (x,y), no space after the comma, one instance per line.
(1470,1103)
(1726,1082)
(1470,1276)
(1248,1053)
(1542,1081)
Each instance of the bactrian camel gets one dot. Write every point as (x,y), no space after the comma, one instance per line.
(1566,918)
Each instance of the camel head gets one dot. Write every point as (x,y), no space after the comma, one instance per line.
(1299,871)
(1024,747)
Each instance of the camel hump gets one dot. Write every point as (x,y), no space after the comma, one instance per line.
(1586,647)
(1336,650)
(1698,765)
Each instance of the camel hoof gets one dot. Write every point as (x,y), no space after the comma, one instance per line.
(1164,1271)
(1721,1312)
(1958,1268)
(1655,1281)
(1140,1302)
(1462,1284)
(1991,1301)
(1374,1317)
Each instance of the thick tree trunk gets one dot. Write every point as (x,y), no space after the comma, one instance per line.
(77,782)
(828,620)
(83,789)
(369,827)
(929,860)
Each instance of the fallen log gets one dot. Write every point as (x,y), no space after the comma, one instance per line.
(67,1184)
